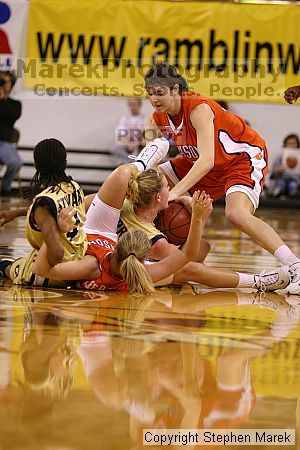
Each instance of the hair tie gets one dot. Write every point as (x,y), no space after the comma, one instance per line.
(132,254)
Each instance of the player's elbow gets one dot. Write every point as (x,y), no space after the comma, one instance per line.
(40,271)
(206,163)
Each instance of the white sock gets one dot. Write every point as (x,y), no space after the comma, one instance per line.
(139,165)
(245,280)
(285,255)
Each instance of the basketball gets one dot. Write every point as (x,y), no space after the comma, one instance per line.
(174,222)
(291,162)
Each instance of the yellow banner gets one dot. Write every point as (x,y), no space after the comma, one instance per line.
(232,52)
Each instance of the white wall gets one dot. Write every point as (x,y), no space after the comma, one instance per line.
(88,122)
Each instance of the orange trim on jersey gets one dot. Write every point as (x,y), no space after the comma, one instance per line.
(101,247)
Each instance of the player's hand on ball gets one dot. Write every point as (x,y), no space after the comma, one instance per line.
(185,201)
(66,221)
(202,205)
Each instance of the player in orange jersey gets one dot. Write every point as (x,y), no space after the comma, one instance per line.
(119,265)
(220,154)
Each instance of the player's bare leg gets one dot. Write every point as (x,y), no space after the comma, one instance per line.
(208,276)
(239,211)
(220,278)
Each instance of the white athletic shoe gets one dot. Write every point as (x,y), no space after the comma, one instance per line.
(294,285)
(273,280)
(151,154)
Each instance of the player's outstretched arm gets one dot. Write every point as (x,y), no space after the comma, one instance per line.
(201,209)
(84,269)
(7,215)
(292,94)
(202,119)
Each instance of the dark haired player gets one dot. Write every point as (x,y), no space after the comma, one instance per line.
(54,190)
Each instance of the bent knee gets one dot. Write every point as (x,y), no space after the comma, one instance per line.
(236,217)
(123,171)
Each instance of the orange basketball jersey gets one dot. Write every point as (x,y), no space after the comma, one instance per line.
(233,137)
(100,247)
(240,153)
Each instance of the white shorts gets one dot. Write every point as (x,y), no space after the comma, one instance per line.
(102,219)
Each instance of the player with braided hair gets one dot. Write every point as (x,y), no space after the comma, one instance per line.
(53,190)
(50,161)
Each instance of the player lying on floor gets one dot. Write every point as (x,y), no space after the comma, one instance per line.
(53,189)
(101,225)
(112,265)
(148,194)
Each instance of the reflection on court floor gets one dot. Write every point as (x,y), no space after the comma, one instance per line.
(91,370)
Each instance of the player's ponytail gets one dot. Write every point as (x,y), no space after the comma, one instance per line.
(132,193)
(165,75)
(132,249)
(142,186)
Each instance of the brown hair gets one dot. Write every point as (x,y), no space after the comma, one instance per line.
(132,250)
(165,75)
(142,186)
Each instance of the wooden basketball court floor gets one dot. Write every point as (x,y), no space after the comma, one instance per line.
(91,370)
